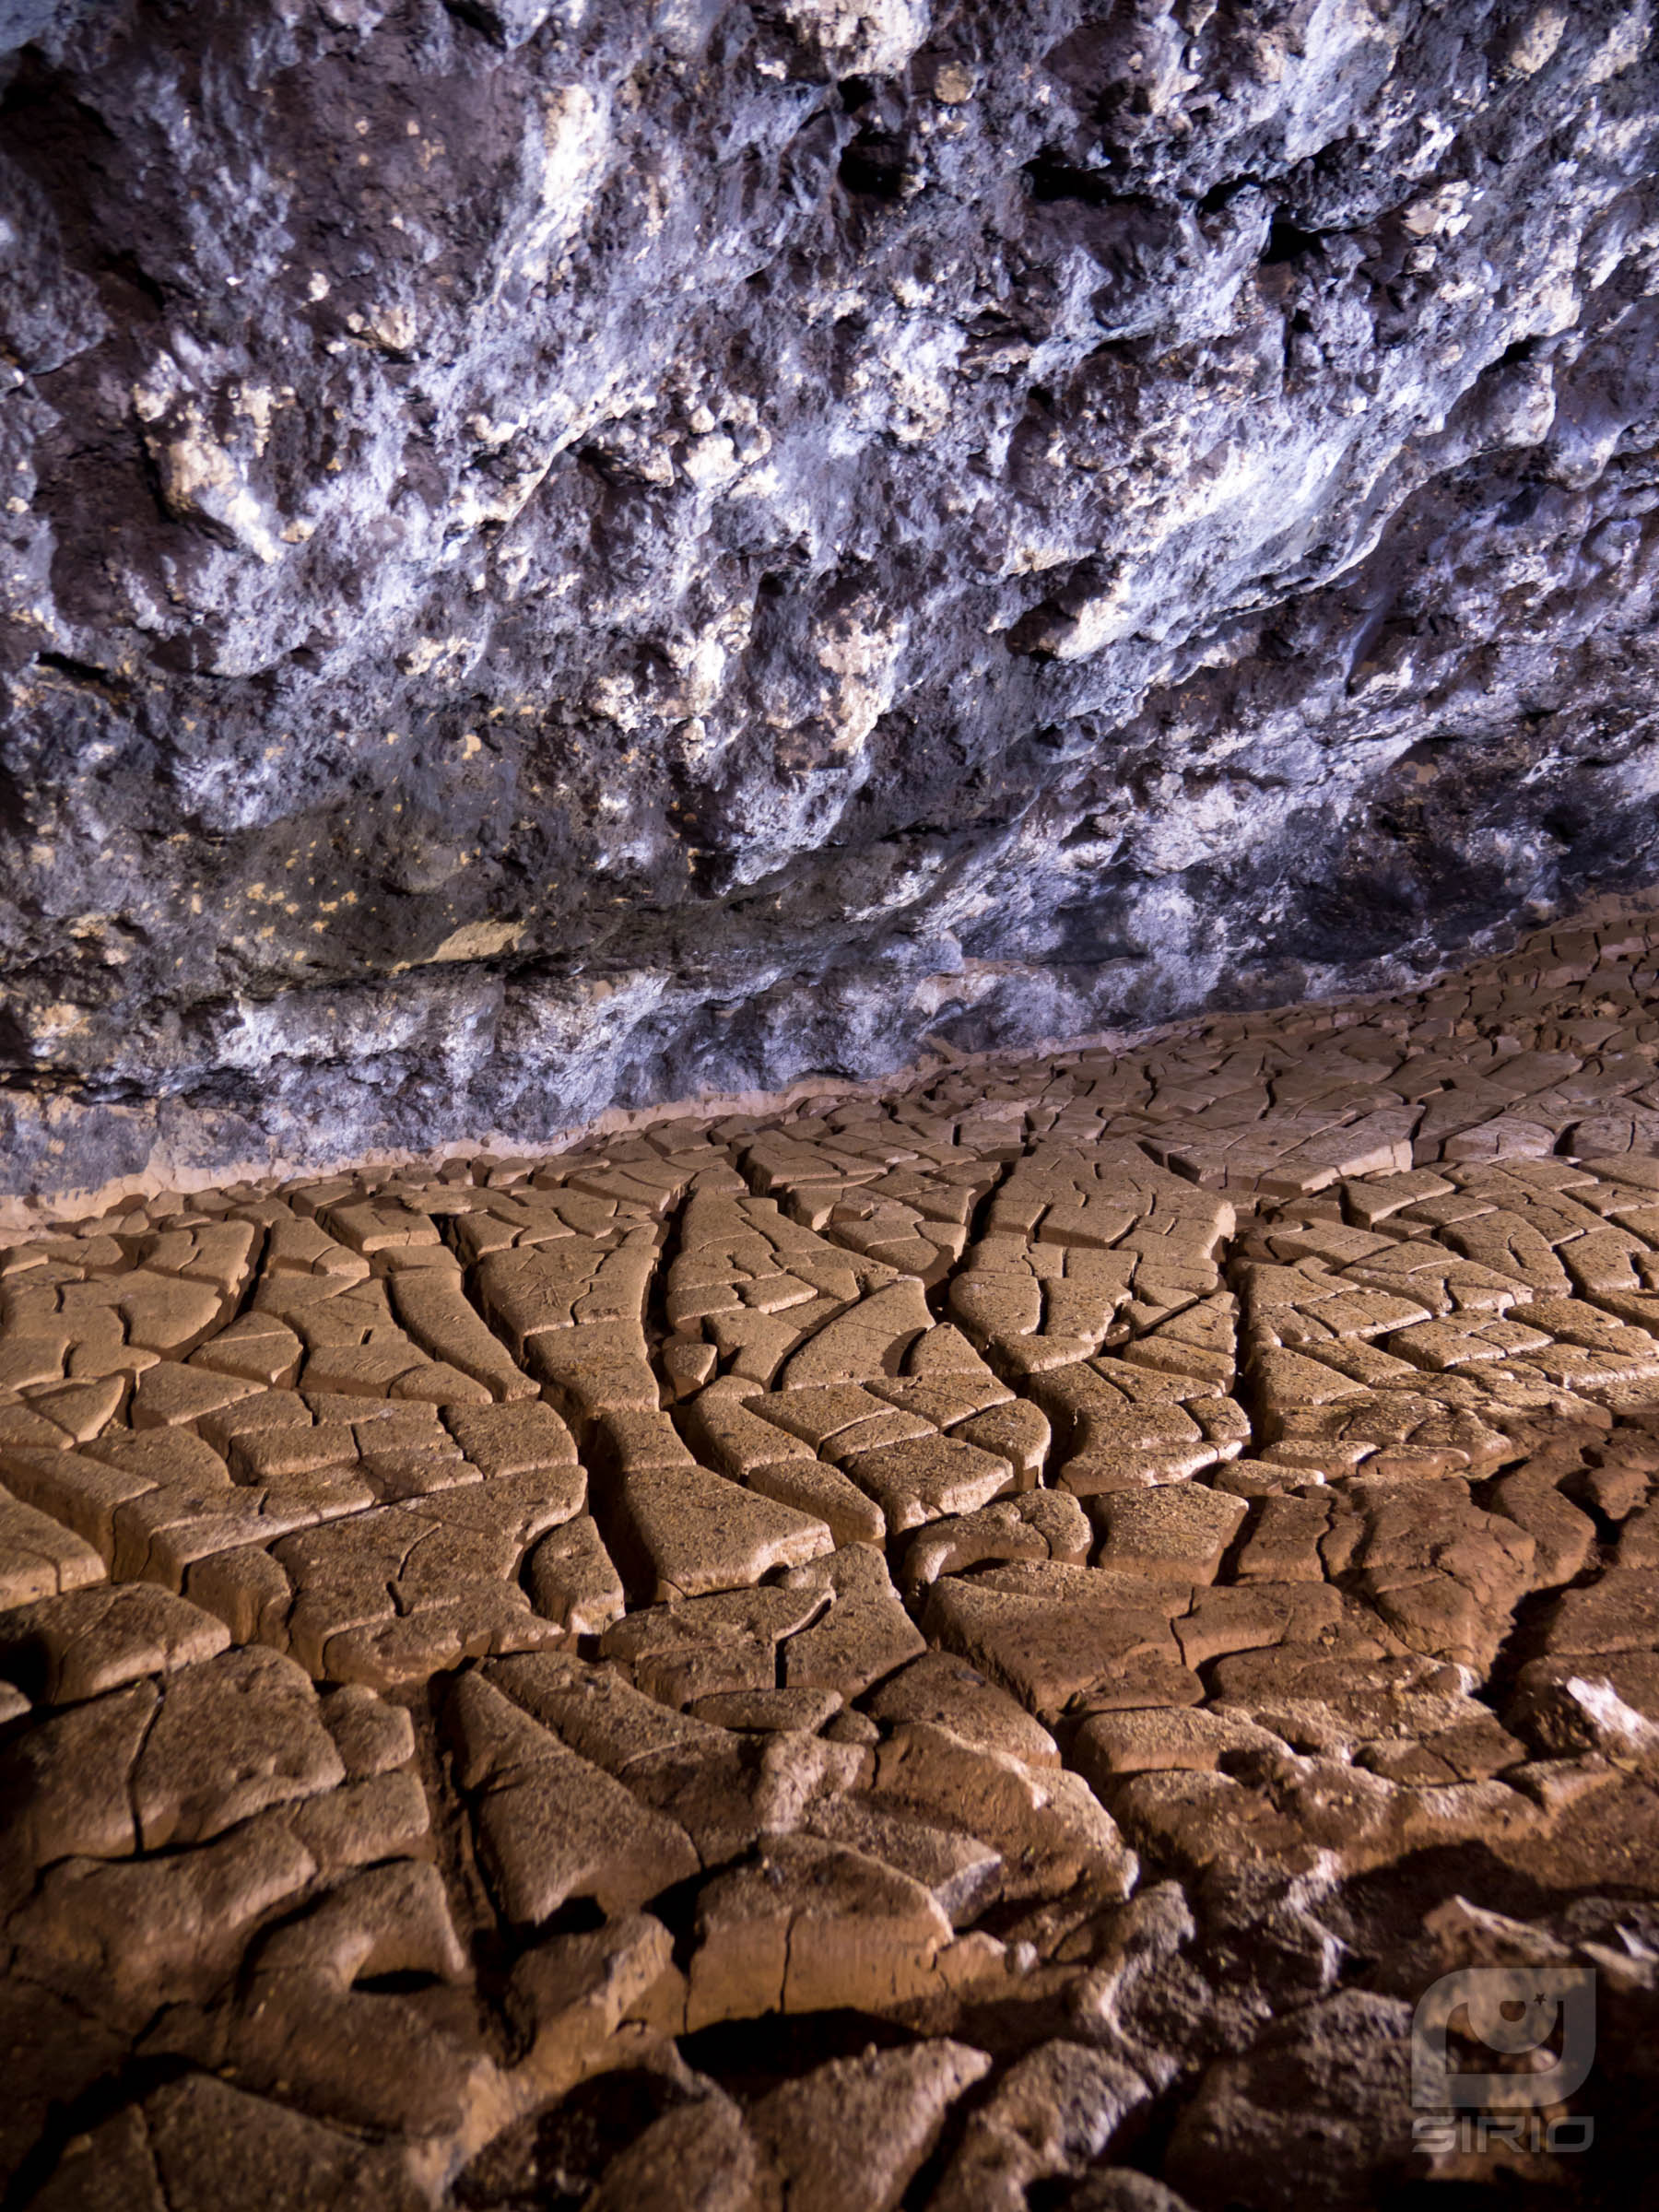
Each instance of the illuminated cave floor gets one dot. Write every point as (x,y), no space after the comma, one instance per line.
(979,1647)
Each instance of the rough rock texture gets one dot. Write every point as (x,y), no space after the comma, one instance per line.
(560,554)
(976,1649)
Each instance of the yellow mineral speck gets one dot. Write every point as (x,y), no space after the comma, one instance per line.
(478,941)
(393,327)
(470,744)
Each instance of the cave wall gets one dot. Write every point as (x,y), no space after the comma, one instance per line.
(561,556)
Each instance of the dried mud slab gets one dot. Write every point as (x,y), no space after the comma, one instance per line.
(974,1649)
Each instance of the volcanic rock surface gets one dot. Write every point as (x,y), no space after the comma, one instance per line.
(974,1649)
(559,555)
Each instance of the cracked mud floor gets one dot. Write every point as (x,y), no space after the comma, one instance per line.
(973,1648)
